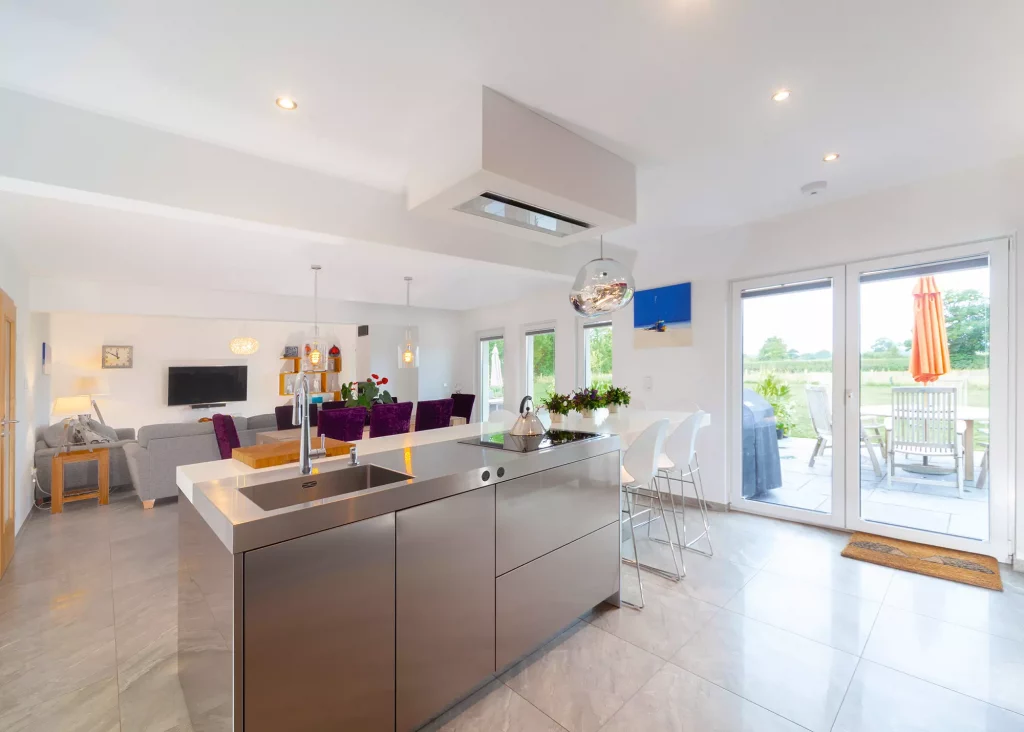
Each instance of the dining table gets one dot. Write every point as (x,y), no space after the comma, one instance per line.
(969,415)
(265,438)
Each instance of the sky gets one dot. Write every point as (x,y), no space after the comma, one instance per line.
(804,319)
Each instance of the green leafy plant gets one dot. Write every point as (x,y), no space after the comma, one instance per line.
(777,393)
(557,403)
(366,393)
(615,395)
(586,399)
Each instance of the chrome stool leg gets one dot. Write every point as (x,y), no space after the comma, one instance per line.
(702,505)
(636,561)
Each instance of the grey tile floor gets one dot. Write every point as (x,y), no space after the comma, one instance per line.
(776,632)
(930,504)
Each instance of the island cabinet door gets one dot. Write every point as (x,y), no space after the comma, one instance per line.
(445,603)
(319,631)
(541,512)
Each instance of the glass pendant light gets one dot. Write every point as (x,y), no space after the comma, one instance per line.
(314,349)
(602,287)
(409,349)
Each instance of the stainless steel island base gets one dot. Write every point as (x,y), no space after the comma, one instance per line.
(383,622)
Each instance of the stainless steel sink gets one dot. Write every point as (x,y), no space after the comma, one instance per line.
(292,491)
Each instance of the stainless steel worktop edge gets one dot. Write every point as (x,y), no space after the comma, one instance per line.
(440,470)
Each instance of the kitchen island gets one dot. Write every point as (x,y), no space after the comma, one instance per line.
(373,597)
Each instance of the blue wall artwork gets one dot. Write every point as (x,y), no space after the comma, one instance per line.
(661,317)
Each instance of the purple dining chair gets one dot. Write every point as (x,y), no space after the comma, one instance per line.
(390,419)
(344,423)
(227,435)
(463,406)
(284,416)
(434,414)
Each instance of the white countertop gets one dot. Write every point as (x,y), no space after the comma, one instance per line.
(628,424)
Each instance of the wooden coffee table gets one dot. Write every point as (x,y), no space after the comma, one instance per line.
(102,457)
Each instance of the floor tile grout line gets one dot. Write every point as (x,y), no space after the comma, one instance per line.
(737,695)
(944,687)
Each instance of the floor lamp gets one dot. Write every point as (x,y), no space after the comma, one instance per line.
(92,387)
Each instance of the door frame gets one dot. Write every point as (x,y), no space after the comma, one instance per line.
(1001,428)
(734,422)
(8,371)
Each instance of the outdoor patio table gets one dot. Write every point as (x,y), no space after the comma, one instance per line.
(969,415)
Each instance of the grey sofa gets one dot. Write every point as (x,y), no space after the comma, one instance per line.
(80,475)
(161,448)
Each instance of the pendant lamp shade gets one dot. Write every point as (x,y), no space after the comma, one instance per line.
(601,287)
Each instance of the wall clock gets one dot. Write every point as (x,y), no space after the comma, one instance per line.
(117,357)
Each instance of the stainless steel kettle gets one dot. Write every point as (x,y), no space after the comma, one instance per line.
(528,424)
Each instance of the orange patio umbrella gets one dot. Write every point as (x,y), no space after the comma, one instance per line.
(929,349)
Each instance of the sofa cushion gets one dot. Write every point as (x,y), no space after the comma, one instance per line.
(262,422)
(99,428)
(163,431)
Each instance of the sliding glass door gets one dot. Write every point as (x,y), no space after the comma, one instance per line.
(873,397)
(788,390)
(927,377)
(492,375)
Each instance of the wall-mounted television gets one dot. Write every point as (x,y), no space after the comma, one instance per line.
(187,385)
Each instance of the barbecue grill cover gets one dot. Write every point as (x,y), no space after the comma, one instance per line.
(762,469)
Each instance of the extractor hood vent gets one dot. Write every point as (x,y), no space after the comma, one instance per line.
(517,172)
(517,213)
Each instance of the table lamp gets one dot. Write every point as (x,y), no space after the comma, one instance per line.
(92,387)
(67,408)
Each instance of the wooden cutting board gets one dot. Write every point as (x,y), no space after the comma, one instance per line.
(282,453)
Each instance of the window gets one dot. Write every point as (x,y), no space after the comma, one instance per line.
(540,363)
(492,368)
(597,354)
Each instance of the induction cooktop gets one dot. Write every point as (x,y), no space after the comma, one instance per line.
(518,443)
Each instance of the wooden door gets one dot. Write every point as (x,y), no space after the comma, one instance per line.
(8,333)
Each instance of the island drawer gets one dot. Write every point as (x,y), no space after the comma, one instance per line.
(537,600)
(541,512)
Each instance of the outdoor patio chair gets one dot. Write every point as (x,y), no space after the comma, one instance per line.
(924,425)
(873,432)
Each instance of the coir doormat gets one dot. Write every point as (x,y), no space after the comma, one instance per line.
(949,564)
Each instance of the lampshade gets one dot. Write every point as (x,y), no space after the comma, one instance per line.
(91,386)
(72,405)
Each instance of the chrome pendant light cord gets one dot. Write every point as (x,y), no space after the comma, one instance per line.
(316,296)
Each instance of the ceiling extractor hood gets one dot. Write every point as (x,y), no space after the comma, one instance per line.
(494,163)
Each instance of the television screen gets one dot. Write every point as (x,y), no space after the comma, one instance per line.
(205,384)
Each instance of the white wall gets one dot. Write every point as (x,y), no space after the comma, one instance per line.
(963,207)
(14,282)
(138,396)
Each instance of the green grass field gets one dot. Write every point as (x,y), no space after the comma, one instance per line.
(977,395)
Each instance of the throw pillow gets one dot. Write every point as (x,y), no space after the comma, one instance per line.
(53,434)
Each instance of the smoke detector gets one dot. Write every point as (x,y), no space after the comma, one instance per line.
(814,188)
(496,164)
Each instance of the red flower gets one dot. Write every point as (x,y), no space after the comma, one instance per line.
(369,381)
(375,376)
(384,380)
(379,383)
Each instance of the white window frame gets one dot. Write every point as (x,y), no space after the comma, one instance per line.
(481,336)
(581,348)
(547,326)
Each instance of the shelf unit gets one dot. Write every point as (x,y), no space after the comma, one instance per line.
(326,383)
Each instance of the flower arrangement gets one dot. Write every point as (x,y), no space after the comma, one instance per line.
(585,401)
(558,405)
(615,397)
(366,393)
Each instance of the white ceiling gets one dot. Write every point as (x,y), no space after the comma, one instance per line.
(681,87)
(59,239)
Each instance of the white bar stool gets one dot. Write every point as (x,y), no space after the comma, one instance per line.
(679,462)
(638,472)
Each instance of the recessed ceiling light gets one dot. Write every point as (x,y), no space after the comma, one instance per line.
(830,157)
(781,95)
(286,103)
